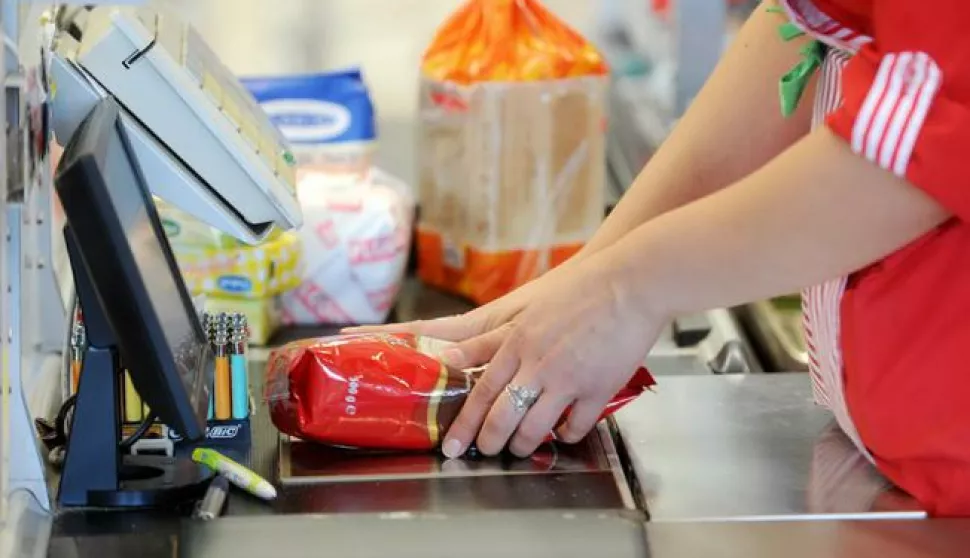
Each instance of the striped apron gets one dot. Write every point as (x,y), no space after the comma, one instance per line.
(821,303)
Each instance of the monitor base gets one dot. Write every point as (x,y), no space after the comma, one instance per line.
(151,481)
(97,472)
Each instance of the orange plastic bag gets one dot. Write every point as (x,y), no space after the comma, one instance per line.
(508,40)
(512,147)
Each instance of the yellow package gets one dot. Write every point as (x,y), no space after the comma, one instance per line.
(513,128)
(250,272)
(262,315)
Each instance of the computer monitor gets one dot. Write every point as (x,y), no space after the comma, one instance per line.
(137,311)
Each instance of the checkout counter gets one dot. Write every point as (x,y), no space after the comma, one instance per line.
(718,461)
(708,465)
(717,465)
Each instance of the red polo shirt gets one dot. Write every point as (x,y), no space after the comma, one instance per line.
(905,321)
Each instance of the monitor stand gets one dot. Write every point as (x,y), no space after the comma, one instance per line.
(96,473)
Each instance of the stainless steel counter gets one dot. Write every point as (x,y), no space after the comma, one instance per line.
(746,454)
(553,534)
(533,534)
(748,447)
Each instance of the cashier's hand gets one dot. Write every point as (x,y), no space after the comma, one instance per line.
(472,329)
(576,341)
(568,334)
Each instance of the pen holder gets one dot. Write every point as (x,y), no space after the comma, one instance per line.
(219,434)
(230,400)
(229,429)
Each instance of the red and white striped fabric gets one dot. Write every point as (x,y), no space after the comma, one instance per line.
(894,110)
(820,304)
(817,23)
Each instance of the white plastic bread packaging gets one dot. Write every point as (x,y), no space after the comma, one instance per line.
(356,236)
(357,220)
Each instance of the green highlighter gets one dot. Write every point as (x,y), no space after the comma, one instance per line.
(235,472)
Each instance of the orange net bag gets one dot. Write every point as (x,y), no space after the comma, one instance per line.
(512,147)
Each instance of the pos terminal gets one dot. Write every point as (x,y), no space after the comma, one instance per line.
(136,308)
(145,108)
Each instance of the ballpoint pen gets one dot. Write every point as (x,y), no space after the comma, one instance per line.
(75,362)
(215,499)
(78,341)
(207,328)
(223,376)
(240,376)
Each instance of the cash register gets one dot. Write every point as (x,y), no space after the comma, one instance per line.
(145,109)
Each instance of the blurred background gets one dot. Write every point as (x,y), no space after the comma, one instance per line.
(659,53)
(384,37)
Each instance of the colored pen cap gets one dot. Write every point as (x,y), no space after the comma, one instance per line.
(221,336)
(239,327)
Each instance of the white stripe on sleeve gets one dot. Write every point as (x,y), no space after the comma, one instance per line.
(901,114)
(928,89)
(864,118)
(887,105)
(894,110)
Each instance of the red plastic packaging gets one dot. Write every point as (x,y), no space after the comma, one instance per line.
(377,391)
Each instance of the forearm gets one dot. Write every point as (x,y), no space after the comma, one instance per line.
(732,127)
(816,212)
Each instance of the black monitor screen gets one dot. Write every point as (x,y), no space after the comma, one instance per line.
(113,221)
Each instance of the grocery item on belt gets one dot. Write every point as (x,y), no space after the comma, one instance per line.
(377,391)
(356,239)
(327,117)
(512,147)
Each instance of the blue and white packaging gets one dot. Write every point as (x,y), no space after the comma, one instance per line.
(327,117)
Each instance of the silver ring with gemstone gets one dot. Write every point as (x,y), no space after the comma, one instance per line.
(522,398)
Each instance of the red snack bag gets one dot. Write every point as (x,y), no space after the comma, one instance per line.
(377,391)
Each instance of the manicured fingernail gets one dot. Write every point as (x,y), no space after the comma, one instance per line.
(454,466)
(451,449)
(453,357)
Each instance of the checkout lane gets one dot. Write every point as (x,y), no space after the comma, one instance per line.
(701,449)
(748,460)
(700,454)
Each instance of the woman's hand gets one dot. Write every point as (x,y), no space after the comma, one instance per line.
(473,331)
(576,341)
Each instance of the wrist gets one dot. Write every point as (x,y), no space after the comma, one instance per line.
(558,270)
(633,276)
(633,289)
